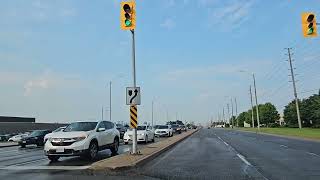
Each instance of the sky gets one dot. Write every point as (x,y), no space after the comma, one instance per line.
(58,56)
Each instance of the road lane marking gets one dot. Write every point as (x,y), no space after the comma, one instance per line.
(244,159)
(44,167)
(313,154)
(283,146)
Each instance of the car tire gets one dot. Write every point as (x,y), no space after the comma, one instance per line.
(146,138)
(93,150)
(23,145)
(126,142)
(115,146)
(152,139)
(53,158)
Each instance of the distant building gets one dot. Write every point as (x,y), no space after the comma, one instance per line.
(281,121)
(8,119)
(246,124)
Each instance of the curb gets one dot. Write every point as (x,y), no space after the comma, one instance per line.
(141,161)
(8,145)
(282,136)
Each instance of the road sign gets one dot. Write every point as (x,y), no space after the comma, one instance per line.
(133,96)
(133,116)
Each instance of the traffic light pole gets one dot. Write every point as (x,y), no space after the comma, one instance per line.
(134,141)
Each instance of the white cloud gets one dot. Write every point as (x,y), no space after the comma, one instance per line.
(168,23)
(230,16)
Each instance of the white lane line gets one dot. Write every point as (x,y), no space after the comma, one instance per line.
(244,159)
(283,146)
(44,167)
(313,154)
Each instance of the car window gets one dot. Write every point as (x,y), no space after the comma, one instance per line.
(141,128)
(163,127)
(109,125)
(81,126)
(102,125)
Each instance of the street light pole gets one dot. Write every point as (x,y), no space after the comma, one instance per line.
(134,138)
(255,93)
(110,101)
(152,113)
(252,117)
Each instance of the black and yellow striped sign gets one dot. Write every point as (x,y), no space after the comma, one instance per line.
(133,116)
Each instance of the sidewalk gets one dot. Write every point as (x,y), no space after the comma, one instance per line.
(8,144)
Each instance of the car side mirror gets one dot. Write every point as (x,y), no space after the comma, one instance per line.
(101,129)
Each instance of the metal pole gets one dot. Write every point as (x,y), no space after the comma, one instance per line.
(223,118)
(102,114)
(152,114)
(134,142)
(252,117)
(228,113)
(232,120)
(235,100)
(255,93)
(294,89)
(110,100)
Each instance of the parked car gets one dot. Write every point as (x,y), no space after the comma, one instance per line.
(176,128)
(163,130)
(47,136)
(144,134)
(121,130)
(83,139)
(17,138)
(36,137)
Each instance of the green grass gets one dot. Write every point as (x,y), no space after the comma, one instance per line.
(307,133)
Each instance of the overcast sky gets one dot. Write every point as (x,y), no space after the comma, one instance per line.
(57,57)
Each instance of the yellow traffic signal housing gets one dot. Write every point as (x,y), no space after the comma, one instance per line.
(128,15)
(309,25)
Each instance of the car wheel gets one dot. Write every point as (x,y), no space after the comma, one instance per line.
(126,143)
(115,147)
(93,150)
(23,145)
(153,139)
(53,158)
(146,140)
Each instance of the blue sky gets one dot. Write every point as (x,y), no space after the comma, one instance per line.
(57,57)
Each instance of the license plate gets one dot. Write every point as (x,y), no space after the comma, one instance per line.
(24,142)
(59,150)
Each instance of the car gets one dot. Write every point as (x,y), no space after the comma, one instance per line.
(183,128)
(47,136)
(121,129)
(36,137)
(83,139)
(144,134)
(176,128)
(163,130)
(17,138)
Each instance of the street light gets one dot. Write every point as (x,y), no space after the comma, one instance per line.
(255,93)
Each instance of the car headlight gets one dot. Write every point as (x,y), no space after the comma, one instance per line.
(79,138)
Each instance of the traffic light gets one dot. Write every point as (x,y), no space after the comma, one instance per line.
(309,25)
(128,15)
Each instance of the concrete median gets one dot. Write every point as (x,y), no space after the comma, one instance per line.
(8,144)
(127,161)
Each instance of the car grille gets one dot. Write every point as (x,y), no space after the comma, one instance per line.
(66,151)
(61,143)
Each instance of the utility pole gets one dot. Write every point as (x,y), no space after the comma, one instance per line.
(294,88)
(232,120)
(134,142)
(235,100)
(255,93)
(110,101)
(223,118)
(252,117)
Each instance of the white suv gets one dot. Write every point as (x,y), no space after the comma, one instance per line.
(83,139)
(163,130)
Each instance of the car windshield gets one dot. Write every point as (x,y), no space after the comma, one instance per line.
(174,126)
(141,128)
(81,126)
(37,133)
(162,127)
(59,129)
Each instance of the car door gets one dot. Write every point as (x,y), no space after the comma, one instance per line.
(110,131)
(150,132)
(101,135)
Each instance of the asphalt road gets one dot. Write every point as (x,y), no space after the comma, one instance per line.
(226,154)
(208,154)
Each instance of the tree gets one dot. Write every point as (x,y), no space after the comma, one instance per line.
(268,113)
